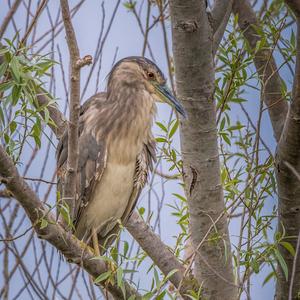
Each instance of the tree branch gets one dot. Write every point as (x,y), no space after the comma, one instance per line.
(74,250)
(194,69)
(220,15)
(8,17)
(265,66)
(160,254)
(294,6)
(57,117)
(33,21)
(73,148)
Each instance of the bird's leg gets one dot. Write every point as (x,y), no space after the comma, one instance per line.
(95,241)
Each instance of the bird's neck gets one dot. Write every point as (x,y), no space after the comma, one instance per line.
(134,111)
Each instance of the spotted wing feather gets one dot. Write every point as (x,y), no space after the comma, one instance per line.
(91,162)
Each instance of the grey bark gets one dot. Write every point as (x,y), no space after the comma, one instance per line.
(69,190)
(219,19)
(194,69)
(288,155)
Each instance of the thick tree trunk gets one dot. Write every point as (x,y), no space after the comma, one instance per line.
(288,174)
(194,68)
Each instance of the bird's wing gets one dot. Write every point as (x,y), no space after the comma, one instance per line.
(144,165)
(91,161)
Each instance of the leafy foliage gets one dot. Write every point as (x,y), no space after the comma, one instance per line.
(21,116)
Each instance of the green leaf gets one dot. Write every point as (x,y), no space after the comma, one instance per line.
(3,50)
(103,277)
(3,68)
(222,125)
(293,39)
(156,277)
(226,138)
(282,263)
(288,246)
(236,127)
(6,138)
(65,213)
(161,140)
(15,95)
(268,277)
(44,224)
(125,249)
(5,86)
(161,295)
(162,127)
(182,198)
(173,129)
(12,126)
(120,277)
(141,210)
(170,274)
(129,5)
(37,140)
(114,254)
(46,115)
(2,116)
(15,66)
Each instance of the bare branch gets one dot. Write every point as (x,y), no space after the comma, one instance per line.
(57,117)
(220,15)
(33,21)
(9,16)
(73,149)
(74,250)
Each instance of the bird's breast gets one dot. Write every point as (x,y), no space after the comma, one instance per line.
(111,196)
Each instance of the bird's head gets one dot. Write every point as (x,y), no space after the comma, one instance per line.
(142,72)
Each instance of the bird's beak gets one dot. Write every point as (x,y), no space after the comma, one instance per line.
(166,95)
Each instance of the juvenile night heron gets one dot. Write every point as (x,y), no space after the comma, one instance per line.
(116,148)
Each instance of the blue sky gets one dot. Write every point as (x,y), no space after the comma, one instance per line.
(124,39)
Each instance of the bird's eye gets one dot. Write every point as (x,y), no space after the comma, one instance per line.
(150,75)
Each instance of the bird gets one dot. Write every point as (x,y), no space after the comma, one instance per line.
(116,149)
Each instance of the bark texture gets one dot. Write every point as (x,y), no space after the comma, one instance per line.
(194,68)
(73,125)
(288,170)
(265,66)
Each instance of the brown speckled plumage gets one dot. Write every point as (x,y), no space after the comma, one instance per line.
(114,130)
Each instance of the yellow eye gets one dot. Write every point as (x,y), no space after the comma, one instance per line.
(150,75)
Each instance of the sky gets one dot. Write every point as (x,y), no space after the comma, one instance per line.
(124,39)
